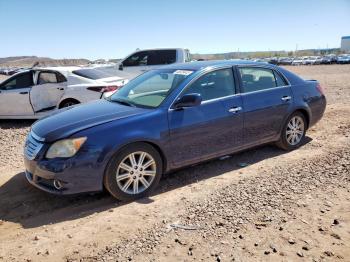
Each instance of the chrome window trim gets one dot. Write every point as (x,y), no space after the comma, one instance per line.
(265,67)
(204,73)
(238,92)
(284,77)
(262,90)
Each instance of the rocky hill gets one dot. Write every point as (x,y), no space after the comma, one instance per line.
(27,61)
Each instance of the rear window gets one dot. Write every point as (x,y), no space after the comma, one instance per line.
(47,78)
(162,57)
(91,73)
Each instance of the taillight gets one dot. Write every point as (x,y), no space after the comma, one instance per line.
(103,89)
(320,89)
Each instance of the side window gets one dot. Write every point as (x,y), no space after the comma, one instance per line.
(279,80)
(162,57)
(213,85)
(46,78)
(255,79)
(23,80)
(137,59)
(60,78)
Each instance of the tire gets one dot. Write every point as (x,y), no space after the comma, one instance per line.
(292,137)
(68,103)
(128,181)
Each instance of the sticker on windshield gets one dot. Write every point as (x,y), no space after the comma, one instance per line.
(183,72)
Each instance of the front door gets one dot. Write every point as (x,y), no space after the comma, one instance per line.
(266,100)
(136,63)
(14,95)
(143,61)
(211,129)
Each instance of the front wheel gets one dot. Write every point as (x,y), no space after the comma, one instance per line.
(133,172)
(293,132)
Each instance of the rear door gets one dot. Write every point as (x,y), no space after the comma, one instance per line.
(14,95)
(212,128)
(267,99)
(50,87)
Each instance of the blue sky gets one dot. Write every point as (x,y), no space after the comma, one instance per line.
(114,28)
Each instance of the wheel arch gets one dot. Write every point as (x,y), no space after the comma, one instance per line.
(67,100)
(306,114)
(151,143)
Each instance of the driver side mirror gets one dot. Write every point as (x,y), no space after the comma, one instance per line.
(189,100)
(121,66)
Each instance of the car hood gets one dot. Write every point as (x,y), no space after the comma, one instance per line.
(70,120)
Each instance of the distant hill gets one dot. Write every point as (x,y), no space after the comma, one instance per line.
(28,61)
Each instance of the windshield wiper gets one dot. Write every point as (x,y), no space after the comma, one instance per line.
(123,102)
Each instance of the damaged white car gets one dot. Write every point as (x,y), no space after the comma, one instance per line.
(37,92)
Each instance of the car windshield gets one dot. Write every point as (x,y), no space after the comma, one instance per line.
(91,73)
(150,89)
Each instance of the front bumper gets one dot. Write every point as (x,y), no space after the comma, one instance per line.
(75,175)
(43,184)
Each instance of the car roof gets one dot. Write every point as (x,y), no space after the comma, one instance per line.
(60,68)
(198,65)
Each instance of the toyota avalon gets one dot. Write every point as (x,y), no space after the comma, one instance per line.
(167,119)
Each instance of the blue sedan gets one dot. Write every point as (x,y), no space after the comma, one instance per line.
(167,119)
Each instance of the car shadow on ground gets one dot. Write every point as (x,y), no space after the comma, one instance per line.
(21,203)
(11,124)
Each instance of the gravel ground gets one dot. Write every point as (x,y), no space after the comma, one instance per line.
(214,226)
(13,134)
(281,206)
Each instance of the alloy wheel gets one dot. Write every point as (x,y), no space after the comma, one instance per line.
(136,172)
(295,130)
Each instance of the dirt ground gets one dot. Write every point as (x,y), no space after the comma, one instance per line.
(260,205)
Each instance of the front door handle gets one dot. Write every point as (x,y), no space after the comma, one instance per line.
(60,88)
(235,109)
(286,98)
(23,93)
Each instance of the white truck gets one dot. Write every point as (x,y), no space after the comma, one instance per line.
(143,60)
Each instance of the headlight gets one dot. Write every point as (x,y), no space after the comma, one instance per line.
(65,147)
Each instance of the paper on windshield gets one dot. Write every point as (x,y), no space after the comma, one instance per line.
(183,72)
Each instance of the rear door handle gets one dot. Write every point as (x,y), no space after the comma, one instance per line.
(286,98)
(235,109)
(23,93)
(60,88)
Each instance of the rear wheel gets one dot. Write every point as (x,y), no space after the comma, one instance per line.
(67,103)
(293,132)
(133,172)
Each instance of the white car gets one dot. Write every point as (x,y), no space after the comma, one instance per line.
(312,60)
(37,92)
(147,59)
(297,61)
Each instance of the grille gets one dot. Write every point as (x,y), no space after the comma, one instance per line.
(32,147)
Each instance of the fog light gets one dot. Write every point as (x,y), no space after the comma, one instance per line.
(57,184)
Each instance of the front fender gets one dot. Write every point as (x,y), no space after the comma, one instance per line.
(110,137)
